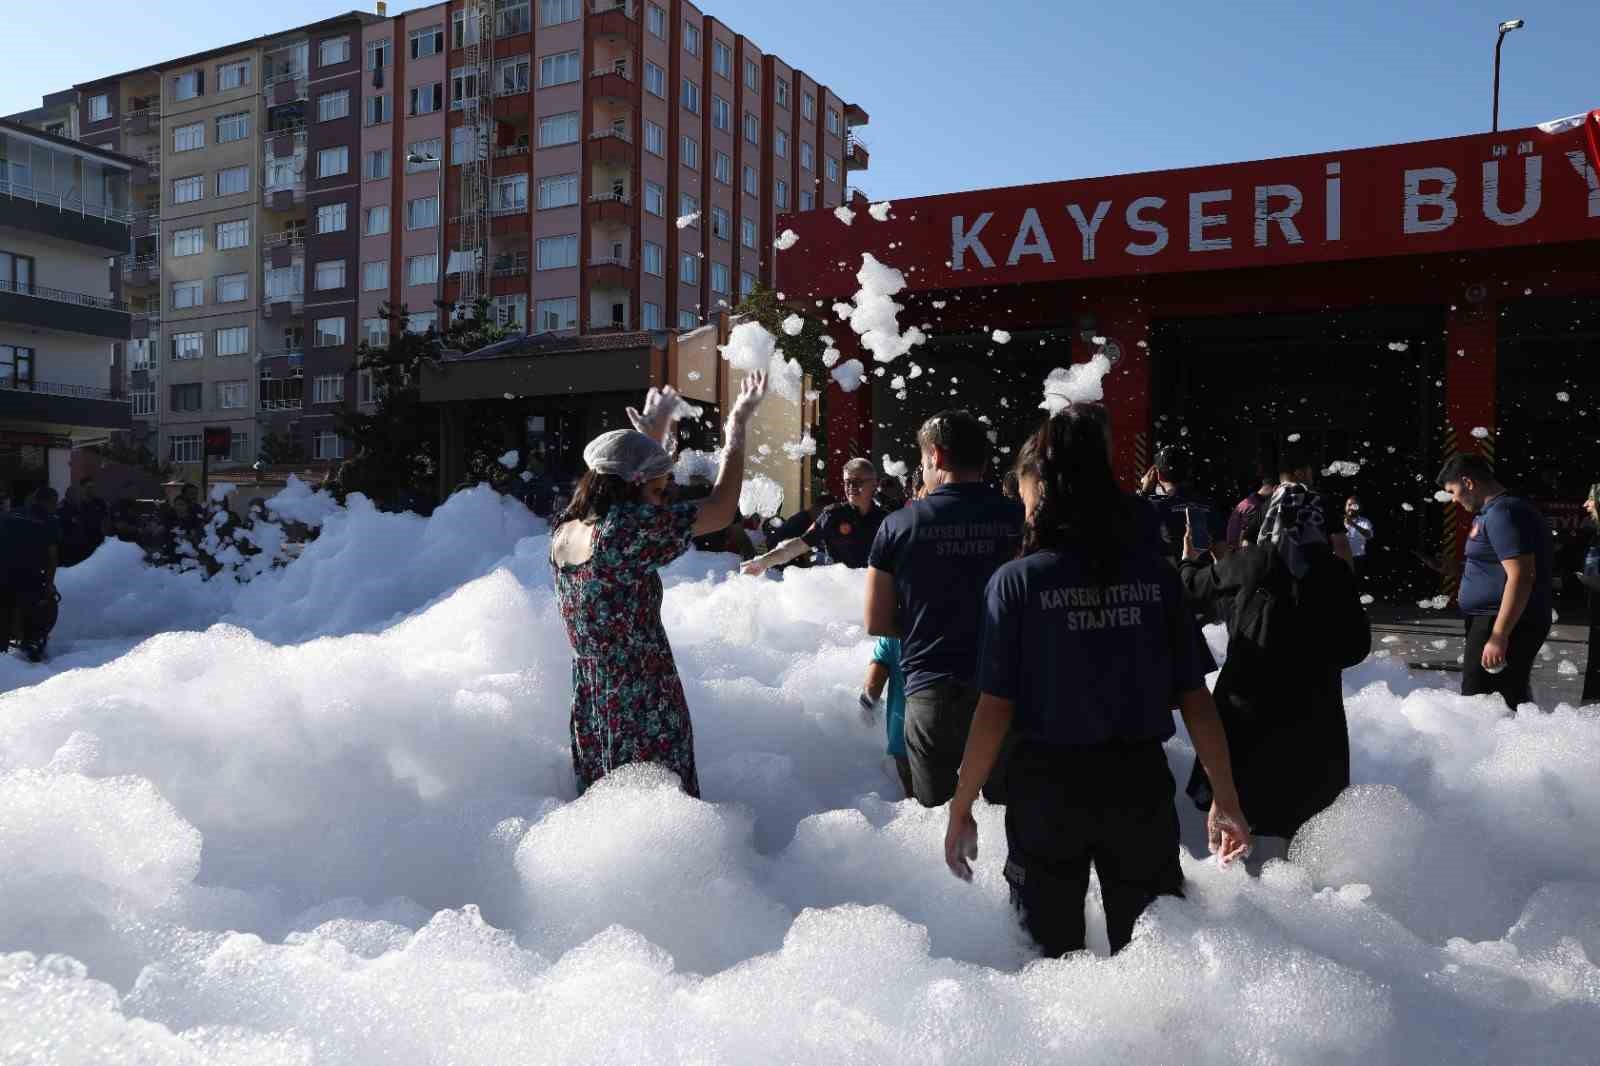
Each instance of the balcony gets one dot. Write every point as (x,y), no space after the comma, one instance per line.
(614,207)
(63,311)
(511,151)
(855,153)
(285,87)
(856,115)
(611,146)
(613,20)
(141,271)
(612,83)
(610,272)
(146,222)
(142,121)
(509,265)
(281,248)
(144,325)
(63,405)
(64,216)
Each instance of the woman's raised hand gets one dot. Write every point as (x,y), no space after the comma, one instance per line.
(751,393)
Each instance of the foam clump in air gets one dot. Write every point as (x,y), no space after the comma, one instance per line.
(760,495)
(874,314)
(880,210)
(1079,383)
(844,214)
(786,240)
(510,459)
(894,467)
(793,324)
(803,448)
(849,374)
(1342,468)
(750,347)
(685,221)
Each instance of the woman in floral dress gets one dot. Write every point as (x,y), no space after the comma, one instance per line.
(608,546)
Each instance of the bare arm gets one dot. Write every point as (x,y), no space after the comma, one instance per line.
(722,506)
(787,552)
(990,724)
(880,612)
(1226,827)
(877,678)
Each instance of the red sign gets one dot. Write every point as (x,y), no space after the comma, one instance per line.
(219,441)
(1518,187)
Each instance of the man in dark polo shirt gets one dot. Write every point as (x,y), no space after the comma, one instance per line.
(1505,585)
(925,582)
(844,530)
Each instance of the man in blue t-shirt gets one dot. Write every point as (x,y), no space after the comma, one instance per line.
(1505,585)
(926,574)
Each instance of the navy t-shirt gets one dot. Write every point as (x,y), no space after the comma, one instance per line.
(942,550)
(1087,665)
(845,532)
(1508,527)
(27,538)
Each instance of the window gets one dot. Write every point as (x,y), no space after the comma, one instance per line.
(422,321)
(655,198)
(687,320)
(780,195)
(557,314)
(656,21)
(433,148)
(327,444)
(554,253)
(234,127)
(378,54)
(187,398)
(721,113)
(782,92)
(329,275)
(808,199)
(430,41)
(233,395)
(509,194)
(511,76)
(331,218)
(284,283)
(144,402)
(808,157)
(747,283)
(510,311)
(512,16)
(422,212)
(651,317)
(719,278)
(655,138)
(722,167)
(186,447)
(653,259)
(234,234)
(752,183)
(188,241)
(558,191)
(333,51)
(422,269)
(239,447)
(722,59)
(188,345)
(187,86)
(375,165)
(283,173)
(721,225)
(463,86)
(426,99)
(747,232)
(688,207)
(462,32)
(232,288)
(188,138)
(808,106)
(233,75)
(378,110)
(691,97)
(752,75)
(233,181)
(558,69)
(233,340)
(833,120)
(375,275)
(16,365)
(99,108)
(691,39)
(327,388)
(331,162)
(558,129)
(330,332)
(833,169)
(780,144)
(555,12)
(377,221)
(333,105)
(655,81)
(464,144)
(188,294)
(689,269)
(375,331)
(752,128)
(690,152)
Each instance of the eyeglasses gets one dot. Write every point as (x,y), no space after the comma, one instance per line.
(856,483)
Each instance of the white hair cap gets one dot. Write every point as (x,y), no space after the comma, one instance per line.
(628,454)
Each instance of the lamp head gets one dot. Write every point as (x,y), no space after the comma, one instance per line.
(1510,24)
(415,158)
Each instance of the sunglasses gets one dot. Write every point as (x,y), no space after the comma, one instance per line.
(854,483)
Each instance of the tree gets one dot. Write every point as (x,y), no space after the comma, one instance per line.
(276,450)
(806,348)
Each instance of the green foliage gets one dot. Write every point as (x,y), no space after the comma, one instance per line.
(806,348)
(276,449)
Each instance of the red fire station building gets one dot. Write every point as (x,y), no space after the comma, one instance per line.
(1387,306)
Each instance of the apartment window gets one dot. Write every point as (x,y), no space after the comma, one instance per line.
(188,241)
(511,16)
(782,92)
(330,332)
(655,138)
(16,365)
(234,127)
(189,85)
(690,152)
(233,181)
(833,120)
(691,97)
(144,402)
(557,314)
(186,447)
(188,294)
(510,311)
(333,105)
(747,232)
(722,167)
(555,253)
(555,12)
(780,195)
(329,275)
(719,278)
(234,234)
(375,275)
(428,42)
(558,191)
(808,156)
(655,198)
(187,398)
(331,162)
(752,75)
(721,113)
(808,106)
(689,269)
(327,388)
(687,320)
(333,51)
(650,316)
(808,199)
(378,55)
(232,288)
(422,321)
(283,283)
(327,444)
(422,269)
(464,144)
(691,39)
(233,340)
(752,183)
(688,207)
(655,81)
(509,194)
(233,75)
(722,59)
(653,259)
(375,331)
(558,69)
(99,108)
(233,395)
(331,218)
(188,138)
(462,31)
(377,221)
(378,110)
(283,173)
(433,148)
(188,345)
(752,128)
(656,21)
(463,86)
(422,212)
(426,99)
(558,129)
(833,169)
(239,447)
(780,144)
(747,283)
(721,225)
(511,75)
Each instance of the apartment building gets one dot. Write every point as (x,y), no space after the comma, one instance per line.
(63,220)
(538,153)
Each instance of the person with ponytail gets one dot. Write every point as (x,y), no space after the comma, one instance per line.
(1087,646)
(620,529)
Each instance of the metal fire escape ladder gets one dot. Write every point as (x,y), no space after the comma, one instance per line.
(478,113)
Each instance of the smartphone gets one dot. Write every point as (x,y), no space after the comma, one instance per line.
(1199,532)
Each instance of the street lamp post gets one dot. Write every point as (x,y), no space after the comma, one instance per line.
(1505,28)
(416,159)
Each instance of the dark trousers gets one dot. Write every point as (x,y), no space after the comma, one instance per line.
(938,719)
(1512,684)
(1112,807)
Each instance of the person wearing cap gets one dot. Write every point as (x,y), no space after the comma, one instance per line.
(1590,579)
(607,549)
(844,530)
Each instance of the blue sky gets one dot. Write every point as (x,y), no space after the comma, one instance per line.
(1003,92)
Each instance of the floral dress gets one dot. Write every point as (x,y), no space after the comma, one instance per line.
(627,701)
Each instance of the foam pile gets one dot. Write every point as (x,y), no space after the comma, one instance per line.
(329,817)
